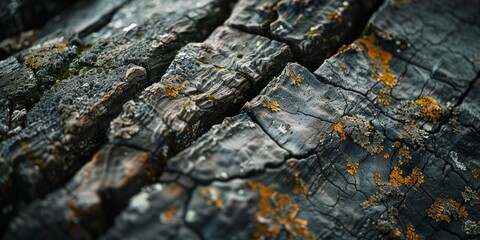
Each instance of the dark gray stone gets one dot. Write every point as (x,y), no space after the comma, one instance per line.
(68,124)
(205,83)
(314,30)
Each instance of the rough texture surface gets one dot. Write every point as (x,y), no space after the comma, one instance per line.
(89,86)
(314,30)
(136,132)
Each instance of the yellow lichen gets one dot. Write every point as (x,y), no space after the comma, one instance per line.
(213,99)
(296,80)
(380,62)
(312,32)
(415,179)
(299,186)
(352,167)
(431,111)
(186,104)
(23,144)
(172,91)
(212,195)
(411,233)
(385,95)
(339,129)
(475,173)
(446,209)
(277,212)
(377,178)
(272,105)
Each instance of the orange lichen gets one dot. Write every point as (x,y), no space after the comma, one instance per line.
(352,167)
(299,186)
(411,233)
(277,212)
(169,214)
(38,58)
(380,149)
(431,111)
(381,65)
(296,80)
(339,129)
(369,203)
(396,177)
(373,201)
(212,195)
(334,16)
(172,91)
(272,105)
(386,155)
(415,179)
(405,152)
(395,233)
(446,209)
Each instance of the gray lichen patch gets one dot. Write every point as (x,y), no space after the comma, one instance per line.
(362,132)
(472,228)
(389,226)
(470,195)
(124,126)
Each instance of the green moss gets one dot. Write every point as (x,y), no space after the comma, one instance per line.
(202,60)
(68,73)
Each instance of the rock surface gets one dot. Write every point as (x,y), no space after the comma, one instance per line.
(183,120)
